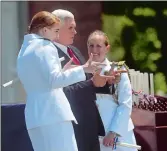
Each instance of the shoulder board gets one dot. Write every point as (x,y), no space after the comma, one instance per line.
(121,63)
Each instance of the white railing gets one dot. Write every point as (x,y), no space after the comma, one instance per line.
(142,83)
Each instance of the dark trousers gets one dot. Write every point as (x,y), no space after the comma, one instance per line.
(86,137)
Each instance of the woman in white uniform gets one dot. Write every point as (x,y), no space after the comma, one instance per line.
(48,114)
(115,110)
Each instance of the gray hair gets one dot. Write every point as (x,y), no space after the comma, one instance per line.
(63,14)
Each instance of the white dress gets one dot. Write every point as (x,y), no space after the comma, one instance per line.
(116,117)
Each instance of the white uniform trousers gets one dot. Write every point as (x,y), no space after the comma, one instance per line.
(129,138)
(54,137)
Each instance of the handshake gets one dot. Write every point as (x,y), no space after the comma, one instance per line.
(99,80)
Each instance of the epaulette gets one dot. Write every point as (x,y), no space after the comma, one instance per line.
(120,64)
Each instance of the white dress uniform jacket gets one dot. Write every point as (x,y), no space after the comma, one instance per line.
(40,72)
(116,117)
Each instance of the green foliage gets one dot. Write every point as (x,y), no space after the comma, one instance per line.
(145,49)
(165,12)
(113,26)
(159,82)
(144,12)
(136,42)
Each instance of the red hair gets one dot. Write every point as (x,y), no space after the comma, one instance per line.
(42,19)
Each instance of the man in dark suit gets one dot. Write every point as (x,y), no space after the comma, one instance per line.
(81,95)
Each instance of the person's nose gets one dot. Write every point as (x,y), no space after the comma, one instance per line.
(94,50)
(74,32)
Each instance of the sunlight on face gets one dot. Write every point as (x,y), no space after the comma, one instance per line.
(96,45)
(52,32)
(67,32)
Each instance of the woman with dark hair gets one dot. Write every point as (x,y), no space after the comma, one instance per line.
(48,114)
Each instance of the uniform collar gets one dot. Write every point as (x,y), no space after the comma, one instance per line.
(29,37)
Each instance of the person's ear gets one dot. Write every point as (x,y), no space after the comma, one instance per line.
(45,29)
(107,48)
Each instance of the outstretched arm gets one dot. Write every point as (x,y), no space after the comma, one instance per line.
(49,64)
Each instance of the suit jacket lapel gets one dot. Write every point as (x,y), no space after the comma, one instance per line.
(62,54)
(76,52)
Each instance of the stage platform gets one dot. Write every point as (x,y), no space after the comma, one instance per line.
(150,127)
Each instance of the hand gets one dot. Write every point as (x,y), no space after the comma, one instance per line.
(91,66)
(68,65)
(117,75)
(116,80)
(108,140)
(100,80)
